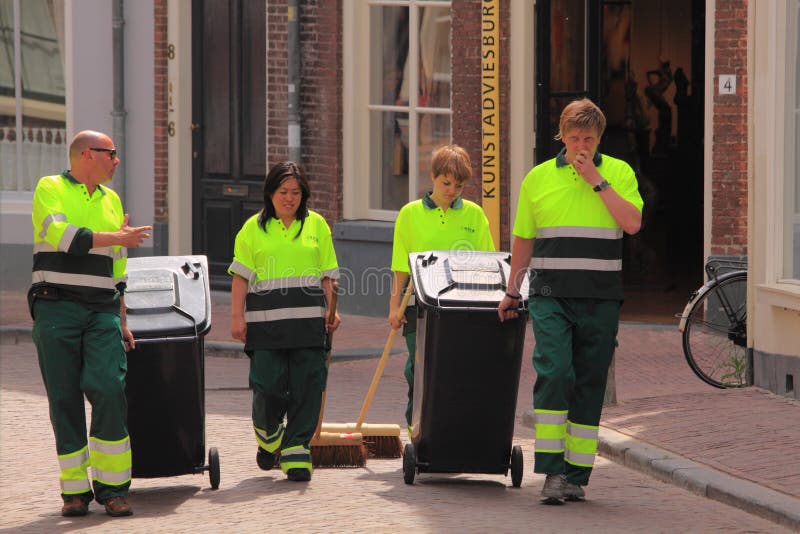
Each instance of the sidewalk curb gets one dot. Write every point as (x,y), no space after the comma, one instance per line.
(695,477)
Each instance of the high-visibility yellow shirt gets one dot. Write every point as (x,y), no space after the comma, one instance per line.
(422,225)
(65,217)
(578,249)
(285,304)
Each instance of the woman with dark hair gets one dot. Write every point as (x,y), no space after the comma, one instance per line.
(284,268)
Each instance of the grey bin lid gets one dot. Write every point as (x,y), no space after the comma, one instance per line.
(456,278)
(168,296)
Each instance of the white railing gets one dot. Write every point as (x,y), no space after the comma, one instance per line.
(44,152)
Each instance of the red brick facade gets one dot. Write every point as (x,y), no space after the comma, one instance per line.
(160,99)
(729,159)
(320,97)
(466,122)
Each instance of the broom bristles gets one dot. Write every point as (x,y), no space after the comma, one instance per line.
(384,446)
(382,440)
(338,450)
(353,455)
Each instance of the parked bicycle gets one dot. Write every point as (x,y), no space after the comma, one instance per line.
(714,326)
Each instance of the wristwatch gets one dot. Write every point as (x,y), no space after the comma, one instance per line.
(602,185)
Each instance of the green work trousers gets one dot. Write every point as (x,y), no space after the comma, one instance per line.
(411,343)
(81,353)
(575,341)
(288,383)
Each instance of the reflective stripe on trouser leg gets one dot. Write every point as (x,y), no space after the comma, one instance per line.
(111,462)
(269,380)
(411,344)
(74,475)
(298,457)
(581,444)
(552,359)
(551,431)
(103,382)
(271,442)
(594,341)
(307,377)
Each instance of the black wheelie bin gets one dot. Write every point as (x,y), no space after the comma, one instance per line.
(169,312)
(467,367)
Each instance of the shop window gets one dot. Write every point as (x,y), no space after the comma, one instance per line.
(409,99)
(32,92)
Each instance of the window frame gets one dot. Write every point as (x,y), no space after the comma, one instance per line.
(358,108)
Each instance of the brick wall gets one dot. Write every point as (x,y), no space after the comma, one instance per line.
(729,159)
(161,211)
(320,97)
(466,83)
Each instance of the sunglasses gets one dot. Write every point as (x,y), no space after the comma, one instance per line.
(112,152)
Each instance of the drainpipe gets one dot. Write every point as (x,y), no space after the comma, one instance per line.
(118,113)
(293,52)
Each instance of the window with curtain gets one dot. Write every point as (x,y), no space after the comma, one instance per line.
(791,224)
(32,92)
(409,97)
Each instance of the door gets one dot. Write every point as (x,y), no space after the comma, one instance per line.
(643,65)
(229,124)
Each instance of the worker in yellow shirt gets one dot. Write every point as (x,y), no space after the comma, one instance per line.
(440,220)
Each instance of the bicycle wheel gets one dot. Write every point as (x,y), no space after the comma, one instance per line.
(715,336)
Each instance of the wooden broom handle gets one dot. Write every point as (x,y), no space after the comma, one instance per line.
(329,318)
(384,357)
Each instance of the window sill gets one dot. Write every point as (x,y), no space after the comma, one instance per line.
(780,295)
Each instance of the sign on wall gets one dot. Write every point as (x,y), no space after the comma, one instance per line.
(490,115)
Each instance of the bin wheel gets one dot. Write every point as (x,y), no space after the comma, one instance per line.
(409,463)
(516,466)
(213,467)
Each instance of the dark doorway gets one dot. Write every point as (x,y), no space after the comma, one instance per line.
(229,116)
(644,66)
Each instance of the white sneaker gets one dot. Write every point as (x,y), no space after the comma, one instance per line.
(553,489)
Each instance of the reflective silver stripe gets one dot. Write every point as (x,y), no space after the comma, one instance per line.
(583,264)
(284,283)
(242,270)
(75,486)
(265,437)
(549,445)
(306,312)
(67,237)
(547,418)
(578,458)
(83,280)
(333,274)
(111,477)
(111,448)
(73,460)
(300,451)
(582,431)
(579,231)
(43,246)
(50,219)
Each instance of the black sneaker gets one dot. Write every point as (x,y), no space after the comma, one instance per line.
(298,474)
(265,460)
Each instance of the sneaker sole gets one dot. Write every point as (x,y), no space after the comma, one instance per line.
(552,501)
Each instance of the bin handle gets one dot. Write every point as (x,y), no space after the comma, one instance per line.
(150,340)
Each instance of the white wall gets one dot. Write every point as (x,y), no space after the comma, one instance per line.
(90,90)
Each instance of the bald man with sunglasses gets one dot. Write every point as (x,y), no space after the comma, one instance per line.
(81,236)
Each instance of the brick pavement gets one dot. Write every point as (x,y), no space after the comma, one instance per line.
(744,436)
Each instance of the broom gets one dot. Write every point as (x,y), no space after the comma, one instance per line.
(383,440)
(335,449)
